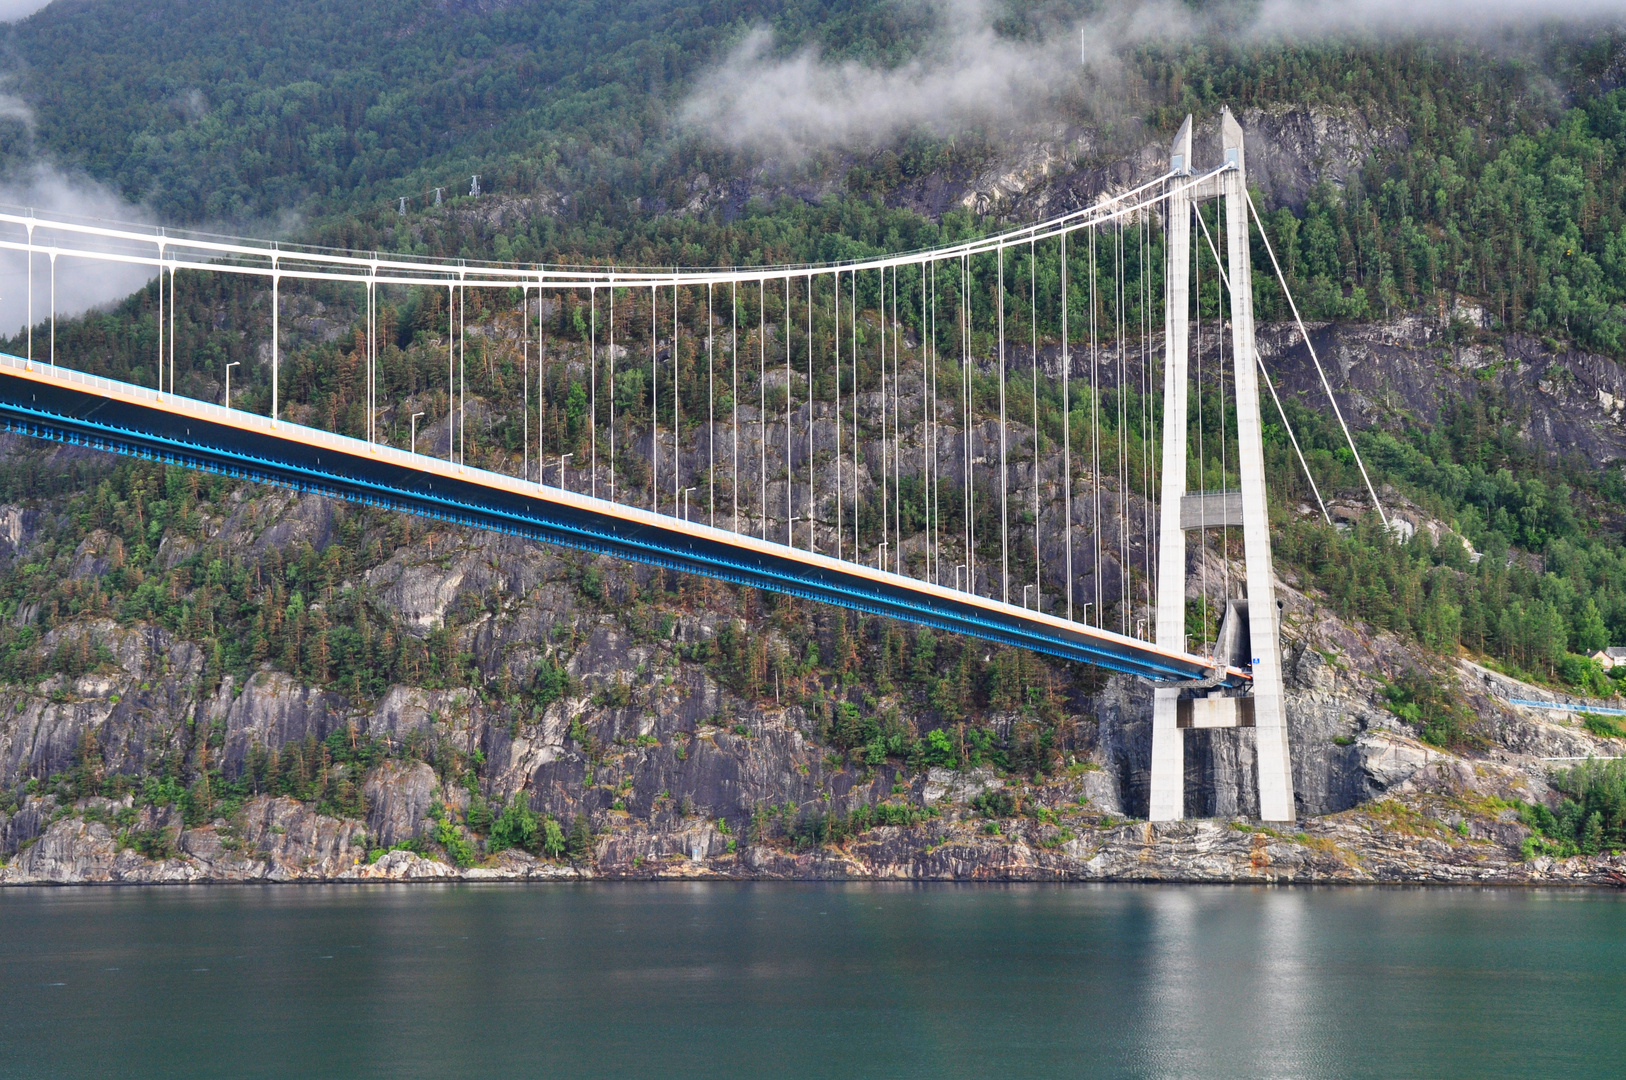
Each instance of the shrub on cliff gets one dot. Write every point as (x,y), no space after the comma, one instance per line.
(516,827)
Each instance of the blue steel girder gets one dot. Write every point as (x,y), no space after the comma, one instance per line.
(54,403)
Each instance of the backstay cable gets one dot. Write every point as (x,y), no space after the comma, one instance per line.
(1280,277)
(1271,386)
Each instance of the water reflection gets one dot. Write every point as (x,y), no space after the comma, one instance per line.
(809,981)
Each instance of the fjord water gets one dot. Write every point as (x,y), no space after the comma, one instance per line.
(793,980)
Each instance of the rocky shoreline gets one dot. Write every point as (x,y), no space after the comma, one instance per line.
(1440,837)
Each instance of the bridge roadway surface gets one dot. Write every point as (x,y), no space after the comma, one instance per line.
(69,406)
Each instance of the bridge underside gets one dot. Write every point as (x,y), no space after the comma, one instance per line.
(59,404)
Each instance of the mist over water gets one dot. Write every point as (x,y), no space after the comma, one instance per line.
(809,980)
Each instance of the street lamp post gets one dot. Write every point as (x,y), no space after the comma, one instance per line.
(415,431)
(957,568)
(562,459)
(229,366)
(1025,589)
(686,502)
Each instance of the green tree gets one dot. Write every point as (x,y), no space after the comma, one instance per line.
(1590,632)
(579,846)
(515,827)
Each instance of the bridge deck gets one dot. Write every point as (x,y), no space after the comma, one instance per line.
(63,404)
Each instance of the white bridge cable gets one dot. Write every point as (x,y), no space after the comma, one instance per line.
(173,256)
(1270,383)
(1305,334)
(317,265)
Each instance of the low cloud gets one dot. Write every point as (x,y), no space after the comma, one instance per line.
(12,10)
(1322,18)
(968,74)
(81,284)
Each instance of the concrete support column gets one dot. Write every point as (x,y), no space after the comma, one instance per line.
(1168,741)
(1264,623)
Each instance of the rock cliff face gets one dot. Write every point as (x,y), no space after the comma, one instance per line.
(674,771)
(677,773)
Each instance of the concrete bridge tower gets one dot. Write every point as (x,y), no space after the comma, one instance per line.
(1250,629)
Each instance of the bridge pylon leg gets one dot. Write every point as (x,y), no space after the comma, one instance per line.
(1264,618)
(1168,791)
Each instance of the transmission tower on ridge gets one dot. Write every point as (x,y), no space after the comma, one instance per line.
(1250,630)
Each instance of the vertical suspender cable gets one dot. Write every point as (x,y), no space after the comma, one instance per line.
(934,469)
(965,439)
(1224,478)
(171,327)
(790,480)
(654,404)
(897,437)
(463,375)
(928,447)
(451,364)
(812,540)
(160,308)
(1066,428)
(367,358)
(857,551)
(734,357)
(1126,595)
(592,391)
(612,380)
(1033,320)
(836,305)
(1202,457)
(541,394)
(1146,403)
(1004,468)
(711,412)
(762,399)
(1095,431)
(880,553)
(525,380)
(677,426)
(1154,541)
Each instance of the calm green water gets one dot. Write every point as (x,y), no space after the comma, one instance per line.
(679,980)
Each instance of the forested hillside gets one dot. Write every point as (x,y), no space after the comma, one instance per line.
(1506,189)
(1477,245)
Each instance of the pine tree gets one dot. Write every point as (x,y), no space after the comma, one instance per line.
(580,844)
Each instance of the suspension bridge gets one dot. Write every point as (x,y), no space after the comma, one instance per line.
(886,471)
